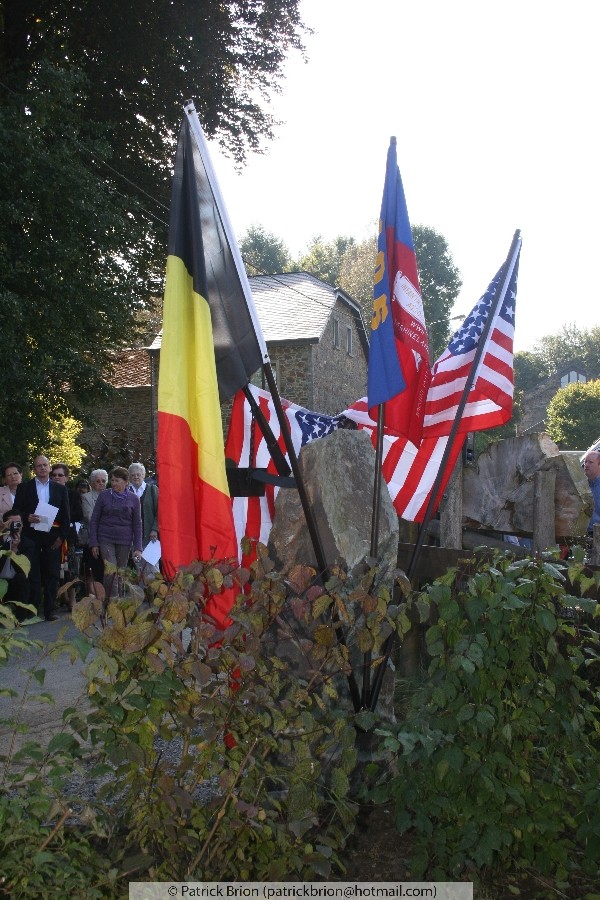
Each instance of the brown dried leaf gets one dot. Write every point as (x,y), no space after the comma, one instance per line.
(175,608)
(369,604)
(87,612)
(138,635)
(155,662)
(364,640)
(324,636)
(299,607)
(300,578)
(67,586)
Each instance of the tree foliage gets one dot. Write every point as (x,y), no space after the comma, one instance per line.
(74,264)
(356,274)
(144,58)
(349,264)
(529,369)
(571,345)
(440,283)
(573,419)
(323,259)
(90,103)
(263,252)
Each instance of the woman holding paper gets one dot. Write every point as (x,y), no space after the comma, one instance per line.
(116,527)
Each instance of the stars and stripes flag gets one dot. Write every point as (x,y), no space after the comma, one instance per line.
(408,468)
(399,374)
(247,447)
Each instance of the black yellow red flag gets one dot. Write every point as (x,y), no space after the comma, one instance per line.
(211,345)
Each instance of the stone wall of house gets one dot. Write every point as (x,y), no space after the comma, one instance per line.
(292,364)
(339,368)
(131,411)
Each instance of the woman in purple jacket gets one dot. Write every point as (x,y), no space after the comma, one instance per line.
(116,527)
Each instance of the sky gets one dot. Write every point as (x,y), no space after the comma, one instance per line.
(494,109)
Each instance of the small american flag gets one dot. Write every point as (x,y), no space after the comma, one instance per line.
(490,399)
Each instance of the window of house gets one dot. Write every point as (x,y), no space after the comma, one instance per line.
(349,340)
(336,333)
(571,377)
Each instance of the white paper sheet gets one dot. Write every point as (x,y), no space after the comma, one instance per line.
(47,514)
(151,552)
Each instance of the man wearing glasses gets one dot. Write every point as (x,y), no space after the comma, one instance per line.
(46,554)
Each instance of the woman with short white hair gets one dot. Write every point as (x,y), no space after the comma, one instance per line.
(93,567)
(148,495)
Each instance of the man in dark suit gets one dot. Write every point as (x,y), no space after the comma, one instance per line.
(46,556)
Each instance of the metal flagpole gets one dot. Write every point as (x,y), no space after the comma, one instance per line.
(366,675)
(505,276)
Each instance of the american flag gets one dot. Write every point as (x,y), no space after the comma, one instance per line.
(409,469)
(246,447)
(490,399)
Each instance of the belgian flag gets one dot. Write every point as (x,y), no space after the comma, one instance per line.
(210,348)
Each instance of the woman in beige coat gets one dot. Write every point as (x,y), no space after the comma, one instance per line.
(11,473)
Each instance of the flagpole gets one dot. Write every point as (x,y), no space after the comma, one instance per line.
(505,276)
(366,677)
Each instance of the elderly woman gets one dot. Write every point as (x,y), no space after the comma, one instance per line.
(148,494)
(93,566)
(116,527)
(11,474)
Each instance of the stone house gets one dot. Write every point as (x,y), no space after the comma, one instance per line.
(317,344)
(132,410)
(536,401)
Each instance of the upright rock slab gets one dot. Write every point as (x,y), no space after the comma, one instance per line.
(338,473)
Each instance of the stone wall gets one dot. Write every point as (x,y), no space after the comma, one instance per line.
(131,410)
(293,369)
(340,372)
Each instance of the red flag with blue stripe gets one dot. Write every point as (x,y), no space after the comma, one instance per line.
(399,371)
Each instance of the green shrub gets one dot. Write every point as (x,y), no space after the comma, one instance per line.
(213,760)
(498,763)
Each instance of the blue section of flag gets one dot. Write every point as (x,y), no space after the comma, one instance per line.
(315,425)
(385,378)
(467,336)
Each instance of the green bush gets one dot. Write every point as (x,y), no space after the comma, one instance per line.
(497,761)
(213,760)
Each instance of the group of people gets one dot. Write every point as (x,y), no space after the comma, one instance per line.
(109,518)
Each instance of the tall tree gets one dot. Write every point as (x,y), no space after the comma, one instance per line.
(69,283)
(356,274)
(529,368)
(323,259)
(439,277)
(571,344)
(573,419)
(263,253)
(90,103)
(440,284)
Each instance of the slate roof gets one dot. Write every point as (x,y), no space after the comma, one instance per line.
(295,306)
